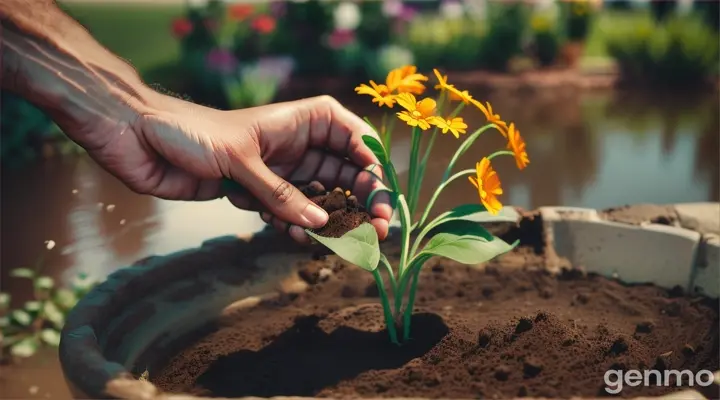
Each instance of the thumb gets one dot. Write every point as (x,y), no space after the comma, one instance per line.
(280,197)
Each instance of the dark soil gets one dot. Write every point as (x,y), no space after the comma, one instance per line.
(345,211)
(509,329)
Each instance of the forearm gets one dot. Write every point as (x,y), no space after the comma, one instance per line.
(52,61)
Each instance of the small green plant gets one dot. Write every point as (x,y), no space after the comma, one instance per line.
(457,235)
(546,40)
(39,321)
(504,37)
(578,16)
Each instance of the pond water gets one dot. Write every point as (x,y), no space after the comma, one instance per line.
(591,150)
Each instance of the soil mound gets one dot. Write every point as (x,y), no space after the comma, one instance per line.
(345,211)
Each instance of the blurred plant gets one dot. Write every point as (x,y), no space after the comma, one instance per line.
(546,39)
(681,51)
(503,40)
(257,84)
(39,321)
(710,11)
(661,10)
(440,41)
(578,15)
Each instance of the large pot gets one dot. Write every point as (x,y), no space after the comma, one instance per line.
(140,316)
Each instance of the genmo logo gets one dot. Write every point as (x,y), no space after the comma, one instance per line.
(615,379)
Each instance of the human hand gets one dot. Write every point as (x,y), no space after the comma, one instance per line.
(182,151)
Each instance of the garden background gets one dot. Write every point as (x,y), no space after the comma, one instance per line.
(617,101)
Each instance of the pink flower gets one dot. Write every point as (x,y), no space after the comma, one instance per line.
(221,60)
(341,38)
(181,27)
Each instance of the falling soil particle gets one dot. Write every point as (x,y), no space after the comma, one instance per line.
(331,340)
(344,211)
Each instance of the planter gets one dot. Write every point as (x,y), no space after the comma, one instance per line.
(571,53)
(241,319)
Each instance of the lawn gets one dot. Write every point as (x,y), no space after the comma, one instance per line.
(139,33)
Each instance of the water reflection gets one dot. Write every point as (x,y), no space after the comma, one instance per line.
(594,150)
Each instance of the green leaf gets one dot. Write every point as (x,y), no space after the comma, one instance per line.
(377,148)
(50,336)
(65,298)
(53,314)
(33,306)
(22,273)
(44,283)
(25,348)
(371,196)
(465,242)
(4,301)
(359,246)
(4,322)
(21,317)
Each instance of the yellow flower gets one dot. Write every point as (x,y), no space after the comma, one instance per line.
(488,185)
(456,125)
(406,80)
(419,113)
(455,94)
(381,94)
(491,117)
(517,144)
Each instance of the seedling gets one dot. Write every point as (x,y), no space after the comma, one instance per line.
(457,234)
(39,321)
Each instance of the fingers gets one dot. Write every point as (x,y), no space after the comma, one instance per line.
(277,195)
(297,233)
(336,128)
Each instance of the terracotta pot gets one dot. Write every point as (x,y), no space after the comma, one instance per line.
(139,317)
(571,53)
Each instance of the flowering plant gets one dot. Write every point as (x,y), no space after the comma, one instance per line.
(457,234)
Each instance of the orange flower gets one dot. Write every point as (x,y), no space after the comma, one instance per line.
(406,80)
(380,94)
(491,117)
(517,144)
(264,24)
(488,185)
(239,12)
(418,113)
(455,94)
(456,125)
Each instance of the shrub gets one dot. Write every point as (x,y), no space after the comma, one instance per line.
(578,16)
(450,43)
(546,40)
(503,40)
(661,10)
(681,51)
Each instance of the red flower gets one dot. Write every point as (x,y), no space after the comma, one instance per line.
(264,24)
(181,27)
(239,12)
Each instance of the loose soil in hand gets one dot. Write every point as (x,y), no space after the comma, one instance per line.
(509,329)
(345,211)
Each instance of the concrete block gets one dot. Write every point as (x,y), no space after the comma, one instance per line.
(552,214)
(659,254)
(700,217)
(706,279)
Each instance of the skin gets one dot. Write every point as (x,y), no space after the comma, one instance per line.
(173,149)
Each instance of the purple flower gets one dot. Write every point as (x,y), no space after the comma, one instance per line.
(221,60)
(407,13)
(392,8)
(278,68)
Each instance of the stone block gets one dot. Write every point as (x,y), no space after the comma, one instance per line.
(700,217)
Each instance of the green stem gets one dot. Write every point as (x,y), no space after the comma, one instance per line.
(391,274)
(405,225)
(439,190)
(389,130)
(464,147)
(414,150)
(501,153)
(389,320)
(407,315)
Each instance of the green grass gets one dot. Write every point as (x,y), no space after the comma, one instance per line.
(140,33)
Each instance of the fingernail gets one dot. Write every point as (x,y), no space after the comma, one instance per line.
(314,215)
(298,234)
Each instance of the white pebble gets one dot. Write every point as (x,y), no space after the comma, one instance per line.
(33,390)
(74,191)
(49,244)
(101,205)
(110,207)
(122,221)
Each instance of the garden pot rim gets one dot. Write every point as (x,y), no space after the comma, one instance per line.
(90,374)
